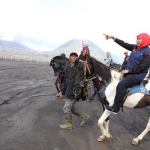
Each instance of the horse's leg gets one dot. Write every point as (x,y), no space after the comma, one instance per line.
(106,127)
(92,97)
(140,137)
(105,131)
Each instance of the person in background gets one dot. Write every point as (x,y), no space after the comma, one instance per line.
(59,79)
(85,50)
(126,59)
(67,90)
(63,54)
(108,59)
(136,68)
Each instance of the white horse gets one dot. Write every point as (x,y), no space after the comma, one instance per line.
(137,100)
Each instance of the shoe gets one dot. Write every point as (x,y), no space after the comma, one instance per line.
(110,109)
(84,119)
(80,114)
(114,112)
(68,124)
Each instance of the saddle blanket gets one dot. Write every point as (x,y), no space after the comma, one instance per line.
(139,89)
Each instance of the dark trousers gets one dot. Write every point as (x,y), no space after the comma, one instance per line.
(121,91)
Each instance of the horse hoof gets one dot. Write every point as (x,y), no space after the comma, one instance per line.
(100,139)
(109,136)
(134,142)
(88,100)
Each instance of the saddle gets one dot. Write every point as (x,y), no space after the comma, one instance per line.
(137,89)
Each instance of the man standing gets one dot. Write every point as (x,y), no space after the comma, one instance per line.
(67,90)
(126,59)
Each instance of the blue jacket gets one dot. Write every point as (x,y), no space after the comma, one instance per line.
(139,61)
(136,58)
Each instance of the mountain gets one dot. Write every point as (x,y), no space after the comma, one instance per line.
(14,48)
(17,48)
(76,46)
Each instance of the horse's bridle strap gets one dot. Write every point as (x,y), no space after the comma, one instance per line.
(86,64)
(88,80)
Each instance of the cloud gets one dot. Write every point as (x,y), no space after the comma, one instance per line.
(58,21)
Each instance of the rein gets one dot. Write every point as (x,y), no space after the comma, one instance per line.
(87,66)
(103,89)
(87,80)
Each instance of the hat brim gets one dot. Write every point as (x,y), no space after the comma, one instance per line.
(74,54)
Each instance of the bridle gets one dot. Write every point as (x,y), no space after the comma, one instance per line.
(56,67)
(77,89)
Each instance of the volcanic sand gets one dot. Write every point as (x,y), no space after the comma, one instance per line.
(30,115)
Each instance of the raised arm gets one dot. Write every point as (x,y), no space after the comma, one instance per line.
(120,42)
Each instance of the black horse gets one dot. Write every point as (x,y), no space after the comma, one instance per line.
(58,64)
(97,75)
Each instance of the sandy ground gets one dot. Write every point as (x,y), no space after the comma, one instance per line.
(30,115)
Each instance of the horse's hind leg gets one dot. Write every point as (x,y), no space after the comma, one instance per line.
(104,126)
(140,137)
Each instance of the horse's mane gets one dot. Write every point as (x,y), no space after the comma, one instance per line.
(101,70)
(60,60)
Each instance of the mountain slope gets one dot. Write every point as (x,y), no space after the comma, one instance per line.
(13,48)
(76,46)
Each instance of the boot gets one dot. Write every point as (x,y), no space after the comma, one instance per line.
(68,124)
(84,117)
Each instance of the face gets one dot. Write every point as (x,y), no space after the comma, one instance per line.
(107,54)
(73,58)
(138,41)
(125,54)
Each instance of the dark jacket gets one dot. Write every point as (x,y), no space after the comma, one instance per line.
(126,59)
(72,78)
(139,61)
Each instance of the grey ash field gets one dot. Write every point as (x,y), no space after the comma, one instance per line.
(30,115)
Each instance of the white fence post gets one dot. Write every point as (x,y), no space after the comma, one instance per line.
(24,58)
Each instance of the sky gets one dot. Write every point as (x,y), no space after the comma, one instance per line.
(47,24)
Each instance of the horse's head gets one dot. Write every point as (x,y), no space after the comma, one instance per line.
(84,68)
(53,65)
(58,63)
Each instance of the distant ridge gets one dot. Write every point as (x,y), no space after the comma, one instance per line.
(14,48)
(75,45)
